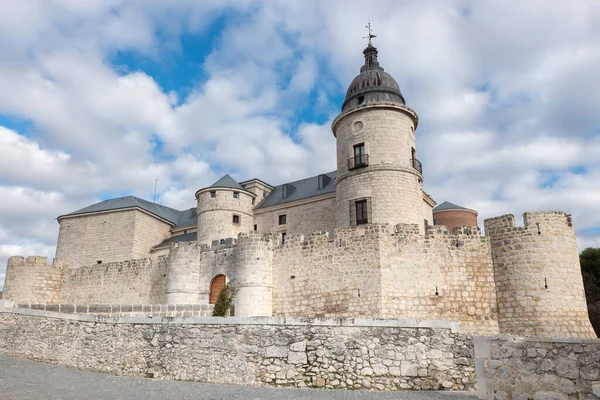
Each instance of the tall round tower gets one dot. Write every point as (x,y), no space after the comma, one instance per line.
(224,210)
(379,179)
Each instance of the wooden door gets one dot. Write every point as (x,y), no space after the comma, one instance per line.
(216,286)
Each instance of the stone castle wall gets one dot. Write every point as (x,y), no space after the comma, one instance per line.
(304,218)
(326,276)
(140,281)
(353,354)
(442,275)
(538,277)
(108,237)
(32,280)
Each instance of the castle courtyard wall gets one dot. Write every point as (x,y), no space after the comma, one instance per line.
(32,280)
(341,354)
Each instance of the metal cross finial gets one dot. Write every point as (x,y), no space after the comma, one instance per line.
(371,36)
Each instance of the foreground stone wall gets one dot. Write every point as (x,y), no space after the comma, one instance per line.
(383,355)
(540,369)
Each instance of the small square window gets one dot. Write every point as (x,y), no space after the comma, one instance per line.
(282,219)
(213,193)
(236,219)
(236,195)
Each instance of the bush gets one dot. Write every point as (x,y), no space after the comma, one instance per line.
(224,301)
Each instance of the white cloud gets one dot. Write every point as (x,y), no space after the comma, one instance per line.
(506,93)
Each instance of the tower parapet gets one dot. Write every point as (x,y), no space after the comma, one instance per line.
(538,278)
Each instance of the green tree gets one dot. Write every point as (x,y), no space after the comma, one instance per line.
(224,301)
(590,271)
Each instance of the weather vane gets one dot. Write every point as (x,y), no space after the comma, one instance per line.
(371,36)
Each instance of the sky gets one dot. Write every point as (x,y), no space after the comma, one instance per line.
(103,98)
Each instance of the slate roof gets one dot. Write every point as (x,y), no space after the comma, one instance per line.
(449,206)
(186,237)
(227,182)
(164,212)
(304,189)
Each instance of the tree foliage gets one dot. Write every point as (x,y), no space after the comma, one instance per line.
(590,271)
(224,301)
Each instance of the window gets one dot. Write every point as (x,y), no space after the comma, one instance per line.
(236,219)
(213,193)
(323,180)
(253,201)
(362,216)
(255,227)
(426,225)
(360,157)
(413,153)
(282,219)
(361,99)
(236,195)
(283,234)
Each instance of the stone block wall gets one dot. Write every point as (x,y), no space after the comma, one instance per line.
(538,276)
(442,275)
(345,354)
(323,275)
(140,281)
(539,369)
(108,237)
(32,280)
(302,218)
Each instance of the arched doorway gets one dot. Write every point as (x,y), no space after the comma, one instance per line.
(216,286)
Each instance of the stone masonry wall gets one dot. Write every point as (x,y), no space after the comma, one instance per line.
(390,180)
(108,237)
(538,277)
(140,281)
(337,275)
(539,369)
(443,275)
(381,355)
(304,218)
(32,280)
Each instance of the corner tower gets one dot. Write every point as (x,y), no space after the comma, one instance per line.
(379,179)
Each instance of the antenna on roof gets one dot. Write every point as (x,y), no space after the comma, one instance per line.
(155,182)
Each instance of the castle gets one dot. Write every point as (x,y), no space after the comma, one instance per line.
(362,241)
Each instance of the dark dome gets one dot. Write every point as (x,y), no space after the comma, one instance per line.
(372,85)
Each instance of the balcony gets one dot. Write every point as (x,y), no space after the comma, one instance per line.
(358,161)
(417,165)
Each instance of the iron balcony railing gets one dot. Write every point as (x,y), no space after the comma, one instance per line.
(417,165)
(358,161)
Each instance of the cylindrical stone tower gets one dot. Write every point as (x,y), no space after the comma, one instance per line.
(539,288)
(183,274)
(253,278)
(379,179)
(224,211)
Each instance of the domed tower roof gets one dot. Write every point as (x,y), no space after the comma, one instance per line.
(373,84)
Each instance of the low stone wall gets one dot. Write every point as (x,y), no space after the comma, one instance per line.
(295,352)
(540,369)
(126,310)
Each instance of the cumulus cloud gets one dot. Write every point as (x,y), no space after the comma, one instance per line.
(506,93)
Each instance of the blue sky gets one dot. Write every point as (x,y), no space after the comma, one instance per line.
(101,98)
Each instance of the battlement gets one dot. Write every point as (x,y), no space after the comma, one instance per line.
(531,221)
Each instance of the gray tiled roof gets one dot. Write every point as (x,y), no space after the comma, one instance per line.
(186,237)
(164,212)
(449,206)
(227,182)
(304,189)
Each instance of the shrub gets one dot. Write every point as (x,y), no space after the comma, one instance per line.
(224,301)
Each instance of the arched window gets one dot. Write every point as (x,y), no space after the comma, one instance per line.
(216,286)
